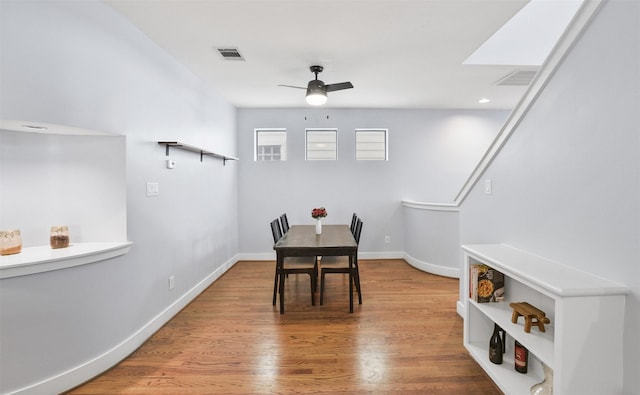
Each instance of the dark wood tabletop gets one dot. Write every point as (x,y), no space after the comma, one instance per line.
(301,240)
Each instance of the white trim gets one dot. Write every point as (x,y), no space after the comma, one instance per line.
(271,256)
(431,268)
(257,256)
(382,255)
(41,259)
(582,18)
(460,309)
(90,369)
(431,206)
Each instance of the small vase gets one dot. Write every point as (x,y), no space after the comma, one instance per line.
(546,386)
(318,226)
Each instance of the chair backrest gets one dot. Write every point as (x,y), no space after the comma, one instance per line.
(354,219)
(275,230)
(356,235)
(285,223)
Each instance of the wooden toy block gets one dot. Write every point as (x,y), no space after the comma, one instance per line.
(531,314)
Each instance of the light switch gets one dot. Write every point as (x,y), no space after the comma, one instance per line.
(153,189)
(487,187)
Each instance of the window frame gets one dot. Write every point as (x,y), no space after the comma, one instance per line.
(283,149)
(386,142)
(306,143)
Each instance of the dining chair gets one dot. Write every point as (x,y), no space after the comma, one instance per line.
(354,218)
(295,265)
(340,264)
(284,222)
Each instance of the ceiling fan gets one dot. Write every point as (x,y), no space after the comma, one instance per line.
(317,90)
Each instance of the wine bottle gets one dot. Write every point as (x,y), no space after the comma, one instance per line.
(504,339)
(495,345)
(521,356)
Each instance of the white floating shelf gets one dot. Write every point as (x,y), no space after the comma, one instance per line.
(43,258)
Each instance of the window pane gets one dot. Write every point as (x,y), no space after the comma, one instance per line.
(271,144)
(371,144)
(322,145)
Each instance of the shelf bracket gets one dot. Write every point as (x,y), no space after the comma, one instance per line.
(192,148)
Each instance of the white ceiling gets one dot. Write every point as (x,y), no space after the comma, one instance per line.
(397,53)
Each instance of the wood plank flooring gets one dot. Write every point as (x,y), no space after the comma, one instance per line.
(405,338)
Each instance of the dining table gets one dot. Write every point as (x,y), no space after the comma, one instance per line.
(302,240)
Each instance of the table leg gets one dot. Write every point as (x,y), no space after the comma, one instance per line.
(280,263)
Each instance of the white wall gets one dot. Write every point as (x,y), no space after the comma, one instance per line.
(431,153)
(80,64)
(567,184)
(36,192)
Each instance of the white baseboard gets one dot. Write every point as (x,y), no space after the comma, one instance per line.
(90,369)
(431,268)
(460,309)
(381,255)
(421,265)
(257,256)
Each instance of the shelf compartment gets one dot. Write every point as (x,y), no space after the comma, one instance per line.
(504,375)
(542,342)
(203,152)
(41,259)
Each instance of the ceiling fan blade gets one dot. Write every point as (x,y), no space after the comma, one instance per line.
(338,86)
(291,86)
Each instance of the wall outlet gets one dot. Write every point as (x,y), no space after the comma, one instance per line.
(172,282)
(153,189)
(387,239)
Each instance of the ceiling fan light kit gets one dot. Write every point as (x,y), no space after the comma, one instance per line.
(316,94)
(317,90)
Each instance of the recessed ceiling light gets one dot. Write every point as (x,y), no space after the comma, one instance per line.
(36,127)
(484,100)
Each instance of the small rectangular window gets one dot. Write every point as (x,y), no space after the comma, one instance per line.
(371,144)
(322,144)
(270,144)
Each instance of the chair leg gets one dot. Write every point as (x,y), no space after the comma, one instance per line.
(275,287)
(356,279)
(321,288)
(313,285)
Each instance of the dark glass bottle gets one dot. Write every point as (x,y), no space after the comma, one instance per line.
(495,345)
(504,339)
(521,356)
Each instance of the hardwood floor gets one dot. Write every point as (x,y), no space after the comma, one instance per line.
(405,338)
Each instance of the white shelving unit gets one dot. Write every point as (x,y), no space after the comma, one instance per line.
(583,342)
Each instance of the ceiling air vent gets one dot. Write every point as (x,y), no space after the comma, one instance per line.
(517,78)
(230,53)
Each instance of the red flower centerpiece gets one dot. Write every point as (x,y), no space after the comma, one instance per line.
(318,214)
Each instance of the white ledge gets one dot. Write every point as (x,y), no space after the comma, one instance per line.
(43,258)
(431,206)
(546,275)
